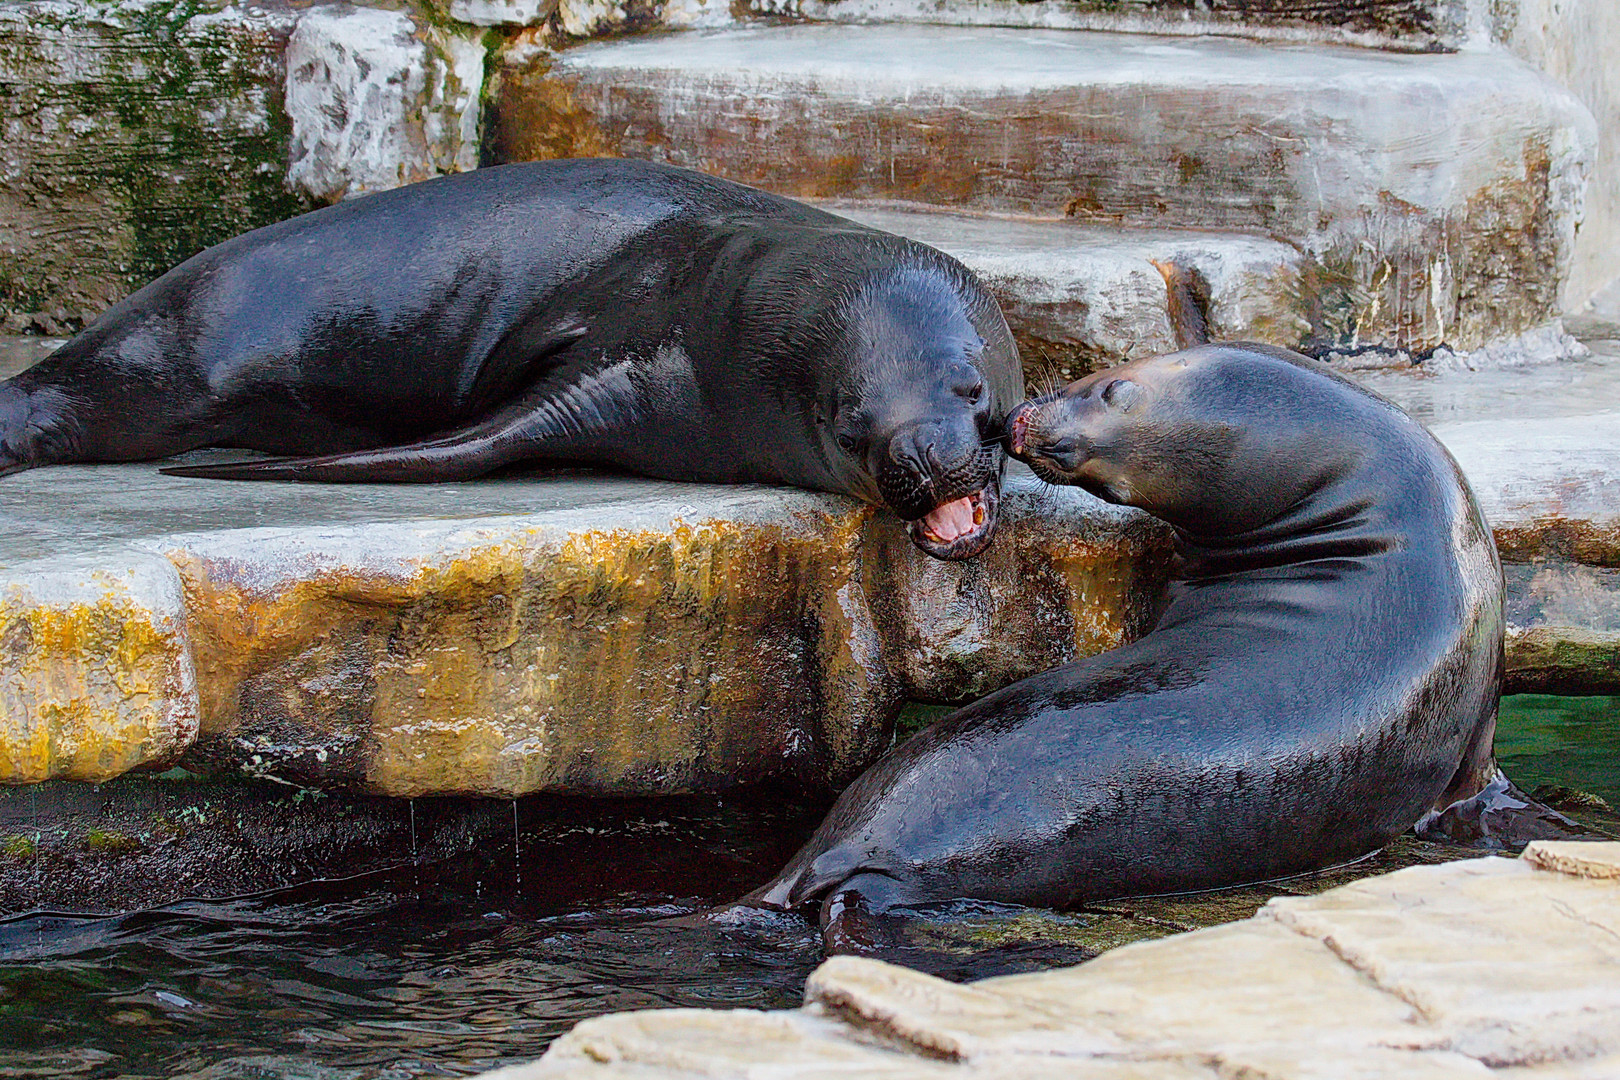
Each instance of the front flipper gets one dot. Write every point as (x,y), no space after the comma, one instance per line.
(558,421)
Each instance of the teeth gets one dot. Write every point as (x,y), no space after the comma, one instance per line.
(951,521)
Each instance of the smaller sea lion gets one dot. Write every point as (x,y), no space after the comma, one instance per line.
(1325,674)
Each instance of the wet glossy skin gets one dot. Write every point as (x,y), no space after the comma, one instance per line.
(617,312)
(1327,669)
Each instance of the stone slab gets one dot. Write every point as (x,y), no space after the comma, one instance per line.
(1586,860)
(1513,966)
(1423,25)
(1437,195)
(1080,297)
(1461,971)
(566,633)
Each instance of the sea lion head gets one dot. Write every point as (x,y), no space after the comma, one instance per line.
(1216,440)
(917,419)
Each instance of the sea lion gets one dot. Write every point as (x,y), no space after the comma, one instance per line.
(595,311)
(1326,671)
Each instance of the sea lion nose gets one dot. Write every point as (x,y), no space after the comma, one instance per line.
(914,449)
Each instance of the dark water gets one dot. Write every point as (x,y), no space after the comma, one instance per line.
(428,971)
(453,969)
(1571,741)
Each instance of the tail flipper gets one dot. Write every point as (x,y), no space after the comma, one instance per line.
(34,429)
(552,421)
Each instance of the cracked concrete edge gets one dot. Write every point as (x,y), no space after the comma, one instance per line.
(523,652)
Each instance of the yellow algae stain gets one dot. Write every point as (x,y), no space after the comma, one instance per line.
(89,690)
(651,660)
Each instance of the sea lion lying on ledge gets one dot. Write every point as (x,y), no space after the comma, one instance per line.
(597,311)
(1326,672)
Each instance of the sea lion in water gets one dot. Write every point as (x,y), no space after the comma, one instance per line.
(1326,672)
(594,311)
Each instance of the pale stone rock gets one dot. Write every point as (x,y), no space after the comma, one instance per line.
(697,14)
(1223,989)
(1574,42)
(1425,24)
(376,103)
(1542,345)
(1598,1068)
(1302,1060)
(731,1044)
(502,12)
(939,1018)
(1509,965)
(1437,195)
(1585,859)
(95,674)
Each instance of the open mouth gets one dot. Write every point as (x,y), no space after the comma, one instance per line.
(960,528)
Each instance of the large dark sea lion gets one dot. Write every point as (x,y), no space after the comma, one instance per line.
(1326,672)
(595,311)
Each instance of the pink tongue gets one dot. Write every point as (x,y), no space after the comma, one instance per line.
(951,520)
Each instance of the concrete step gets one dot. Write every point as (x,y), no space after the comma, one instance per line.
(1541,448)
(1079,297)
(1436,195)
(1414,25)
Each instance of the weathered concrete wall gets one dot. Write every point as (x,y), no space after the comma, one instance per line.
(1438,195)
(1577,43)
(1398,24)
(136,133)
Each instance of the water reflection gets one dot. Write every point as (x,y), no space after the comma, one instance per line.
(427,971)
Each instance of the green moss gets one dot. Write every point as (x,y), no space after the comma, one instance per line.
(175,141)
(108,842)
(19,846)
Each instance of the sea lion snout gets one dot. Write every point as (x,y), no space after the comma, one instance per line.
(1049,435)
(943,479)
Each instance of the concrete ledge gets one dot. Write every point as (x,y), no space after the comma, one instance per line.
(1489,967)
(95,674)
(571,633)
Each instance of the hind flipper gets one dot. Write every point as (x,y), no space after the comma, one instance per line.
(553,421)
(34,428)
(1499,816)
